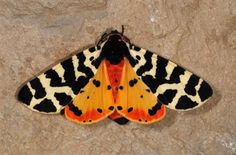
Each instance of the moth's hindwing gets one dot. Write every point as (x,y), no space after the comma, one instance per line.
(52,90)
(94,102)
(135,100)
(176,87)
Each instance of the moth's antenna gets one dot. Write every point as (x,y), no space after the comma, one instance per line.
(123,29)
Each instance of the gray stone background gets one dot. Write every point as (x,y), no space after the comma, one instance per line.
(198,34)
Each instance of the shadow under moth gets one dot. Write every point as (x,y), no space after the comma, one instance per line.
(115,79)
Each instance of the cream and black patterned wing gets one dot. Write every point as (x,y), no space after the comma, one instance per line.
(55,88)
(176,87)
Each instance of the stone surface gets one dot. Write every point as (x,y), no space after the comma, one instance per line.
(198,34)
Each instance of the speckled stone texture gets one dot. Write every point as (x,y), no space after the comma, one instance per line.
(198,34)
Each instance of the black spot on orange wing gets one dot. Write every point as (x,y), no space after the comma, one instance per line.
(75,109)
(121,87)
(119,107)
(108,87)
(154,109)
(132,82)
(96,83)
(111,108)
(45,106)
(99,110)
(185,103)
(130,109)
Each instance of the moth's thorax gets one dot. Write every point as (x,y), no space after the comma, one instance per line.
(115,73)
(114,49)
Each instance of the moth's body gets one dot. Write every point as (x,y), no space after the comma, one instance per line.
(118,80)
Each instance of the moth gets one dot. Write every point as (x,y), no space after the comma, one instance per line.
(115,79)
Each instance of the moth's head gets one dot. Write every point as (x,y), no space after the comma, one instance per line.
(114,36)
(114,47)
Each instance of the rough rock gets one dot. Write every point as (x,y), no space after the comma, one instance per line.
(198,34)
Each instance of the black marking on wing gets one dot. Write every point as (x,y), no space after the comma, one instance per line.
(170,74)
(97,83)
(62,75)
(133,82)
(79,84)
(92,49)
(82,68)
(205,91)
(45,106)
(63,98)
(167,97)
(39,90)
(69,74)
(154,109)
(190,86)
(75,109)
(130,109)
(121,121)
(147,66)
(136,48)
(175,76)
(185,103)
(25,95)
(55,79)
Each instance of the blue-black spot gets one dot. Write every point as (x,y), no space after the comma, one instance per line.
(91,58)
(99,110)
(119,107)
(132,82)
(108,87)
(92,49)
(130,109)
(96,83)
(138,57)
(111,108)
